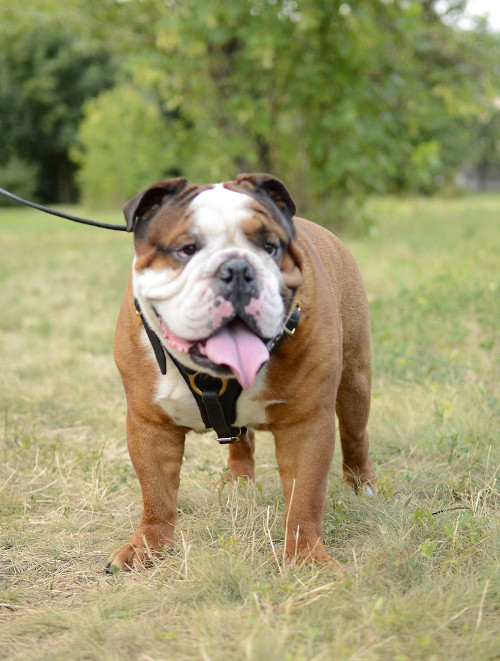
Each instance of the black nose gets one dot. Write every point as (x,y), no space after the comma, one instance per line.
(237,281)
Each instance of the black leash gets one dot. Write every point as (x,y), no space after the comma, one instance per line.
(216,397)
(61,214)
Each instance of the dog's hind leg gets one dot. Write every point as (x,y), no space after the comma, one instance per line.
(241,462)
(353,407)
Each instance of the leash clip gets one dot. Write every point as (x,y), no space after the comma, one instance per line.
(228,440)
(236,433)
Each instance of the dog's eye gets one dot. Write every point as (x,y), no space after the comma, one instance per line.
(187,251)
(271,249)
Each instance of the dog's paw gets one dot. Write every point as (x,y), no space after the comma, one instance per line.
(364,484)
(146,545)
(314,554)
(369,489)
(128,558)
(230,477)
(323,562)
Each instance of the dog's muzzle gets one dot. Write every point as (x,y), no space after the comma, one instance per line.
(237,282)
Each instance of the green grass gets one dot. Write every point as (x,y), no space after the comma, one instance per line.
(424,555)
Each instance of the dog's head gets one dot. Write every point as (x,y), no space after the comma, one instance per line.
(215,269)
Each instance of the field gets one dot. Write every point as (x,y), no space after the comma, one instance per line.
(423,556)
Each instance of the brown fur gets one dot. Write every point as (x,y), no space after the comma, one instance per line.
(323,369)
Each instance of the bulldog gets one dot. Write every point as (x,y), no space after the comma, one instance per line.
(239,316)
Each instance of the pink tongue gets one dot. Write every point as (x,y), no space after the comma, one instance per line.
(238,348)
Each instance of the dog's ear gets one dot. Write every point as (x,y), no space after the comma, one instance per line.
(271,188)
(145,204)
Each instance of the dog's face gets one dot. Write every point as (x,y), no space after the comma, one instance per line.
(215,269)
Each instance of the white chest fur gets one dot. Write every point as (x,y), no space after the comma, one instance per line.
(175,398)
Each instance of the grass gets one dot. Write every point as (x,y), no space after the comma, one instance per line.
(424,555)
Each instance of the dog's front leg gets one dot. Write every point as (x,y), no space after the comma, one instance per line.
(304,452)
(156,450)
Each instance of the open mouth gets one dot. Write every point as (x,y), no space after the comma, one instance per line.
(232,349)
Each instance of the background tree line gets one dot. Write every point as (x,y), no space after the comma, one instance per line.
(340,99)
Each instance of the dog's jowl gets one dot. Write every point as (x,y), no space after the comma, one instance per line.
(239,317)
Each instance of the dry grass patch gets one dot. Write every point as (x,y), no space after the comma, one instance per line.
(424,579)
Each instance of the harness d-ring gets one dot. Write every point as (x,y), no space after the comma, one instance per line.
(192,381)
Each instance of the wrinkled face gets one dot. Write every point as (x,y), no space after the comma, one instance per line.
(214,271)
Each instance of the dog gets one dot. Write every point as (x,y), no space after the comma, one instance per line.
(239,316)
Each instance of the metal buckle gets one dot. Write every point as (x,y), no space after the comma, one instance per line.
(289,332)
(229,439)
(238,431)
(192,381)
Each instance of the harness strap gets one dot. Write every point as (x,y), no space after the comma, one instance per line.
(216,397)
(156,343)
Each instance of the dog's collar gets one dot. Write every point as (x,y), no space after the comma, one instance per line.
(216,397)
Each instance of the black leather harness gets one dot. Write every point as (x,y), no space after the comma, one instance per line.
(216,397)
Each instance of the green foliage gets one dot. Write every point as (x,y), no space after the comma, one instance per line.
(123,146)
(46,73)
(339,99)
(18,177)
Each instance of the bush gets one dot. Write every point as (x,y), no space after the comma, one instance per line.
(19,177)
(122,146)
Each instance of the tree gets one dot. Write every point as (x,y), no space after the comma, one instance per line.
(45,76)
(340,99)
(123,146)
